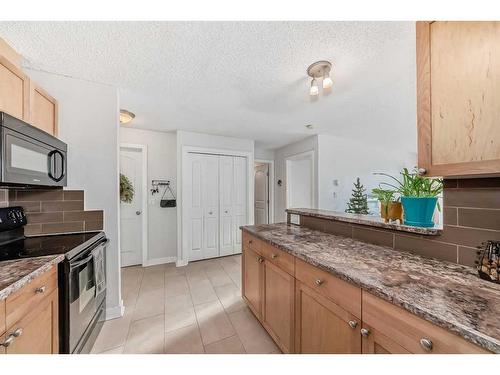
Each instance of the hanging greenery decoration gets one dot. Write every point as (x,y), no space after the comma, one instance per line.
(126,189)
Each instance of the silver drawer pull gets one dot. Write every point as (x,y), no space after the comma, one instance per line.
(426,344)
(40,289)
(7,341)
(18,332)
(353,324)
(365,332)
(260,259)
(319,282)
(274,256)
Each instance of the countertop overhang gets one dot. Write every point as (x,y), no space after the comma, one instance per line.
(368,220)
(449,295)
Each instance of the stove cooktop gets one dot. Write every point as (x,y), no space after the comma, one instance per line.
(30,247)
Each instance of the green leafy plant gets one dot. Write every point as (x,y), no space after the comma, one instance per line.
(385,196)
(126,189)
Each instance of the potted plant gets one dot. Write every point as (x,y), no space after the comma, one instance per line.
(419,196)
(390,206)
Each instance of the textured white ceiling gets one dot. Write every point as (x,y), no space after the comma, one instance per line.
(242,79)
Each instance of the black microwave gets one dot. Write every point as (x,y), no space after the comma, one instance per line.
(29,156)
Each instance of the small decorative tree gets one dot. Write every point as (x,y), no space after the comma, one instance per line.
(358,203)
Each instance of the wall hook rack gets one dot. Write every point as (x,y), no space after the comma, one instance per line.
(156,185)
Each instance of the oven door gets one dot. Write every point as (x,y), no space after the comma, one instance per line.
(87,290)
(27,161)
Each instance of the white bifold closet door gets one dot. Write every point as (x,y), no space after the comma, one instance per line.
(217,197)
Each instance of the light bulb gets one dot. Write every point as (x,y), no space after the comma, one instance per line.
(314,91)
(327,82)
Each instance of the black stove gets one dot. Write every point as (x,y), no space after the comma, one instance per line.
(29,247)
(81,276)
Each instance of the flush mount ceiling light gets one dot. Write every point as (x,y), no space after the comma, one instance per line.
(320,71)
(126,116)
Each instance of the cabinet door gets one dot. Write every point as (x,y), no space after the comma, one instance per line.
(322,327)
(374,342)
(458,85)
(38,330)
(252,272)
(14,90)
(43,109)
(278,309)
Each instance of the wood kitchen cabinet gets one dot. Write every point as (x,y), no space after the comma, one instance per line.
(458,85)
(14,90)
(43,109)
(31,317)
(278,306)
(322,326)
(252,274)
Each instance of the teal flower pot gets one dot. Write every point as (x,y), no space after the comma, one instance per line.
(418,212)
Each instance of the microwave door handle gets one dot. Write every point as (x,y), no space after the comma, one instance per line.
(63,165)
(51,164)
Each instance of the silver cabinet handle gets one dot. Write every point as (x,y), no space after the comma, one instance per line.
(40,289)
(274,256)
(8,341)
(426,344)
(318,282)
(365,332)
(210,212)
(138,212)
(225,212)
(353,324)
(422,171)
(260,259)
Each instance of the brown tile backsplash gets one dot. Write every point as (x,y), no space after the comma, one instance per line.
(471,215)
(53,211)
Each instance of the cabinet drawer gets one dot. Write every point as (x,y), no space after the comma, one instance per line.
(252,243)
(2,316)
(408,330)
(278,257)
(339,291)
(29,296)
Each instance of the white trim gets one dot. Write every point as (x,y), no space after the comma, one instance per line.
(115,311)
(271,186)
(301,156)
(156,261)
(145,194)
(182,259)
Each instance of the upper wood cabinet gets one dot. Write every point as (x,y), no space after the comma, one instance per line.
(43,109)
(14,90)
(458,86)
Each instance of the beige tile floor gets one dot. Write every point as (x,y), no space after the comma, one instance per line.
(192,309)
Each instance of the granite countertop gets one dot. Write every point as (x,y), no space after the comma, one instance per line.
(447,294)
(14,274)
(373,221)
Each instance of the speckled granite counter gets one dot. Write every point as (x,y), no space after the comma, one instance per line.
(372,221)
(14,274)
(446,294)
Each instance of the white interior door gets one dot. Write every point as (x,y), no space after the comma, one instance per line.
(300,181)
(131,213)
(239,200)
(226,199)
(261,193)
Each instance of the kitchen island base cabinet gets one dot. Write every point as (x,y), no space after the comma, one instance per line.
(278,308)
(322,326)
(252,273)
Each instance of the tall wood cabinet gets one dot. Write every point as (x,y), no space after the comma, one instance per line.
(23,98)
(458,85)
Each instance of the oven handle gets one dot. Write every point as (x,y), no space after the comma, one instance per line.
(81,262)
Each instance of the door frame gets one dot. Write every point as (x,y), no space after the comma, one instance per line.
(145,235)
(271,186)
(182,219)
(300,156)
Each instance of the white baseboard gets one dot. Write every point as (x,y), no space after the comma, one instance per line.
(154,262)
(115,311)
(181,262)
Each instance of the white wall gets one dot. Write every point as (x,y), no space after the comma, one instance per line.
(214,142)
(162,159)
(263,154)
(343,160)
(280,155)
(88,123)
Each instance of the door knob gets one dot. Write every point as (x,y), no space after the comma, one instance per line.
(137,212)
